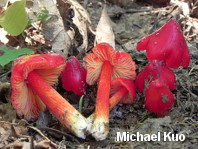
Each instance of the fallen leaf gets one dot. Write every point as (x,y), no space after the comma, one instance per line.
(26,145)
(70,37)
(44,144)
(53,29)
(4,135)
(11,130)
(104,30)
(82,21)
(15,144)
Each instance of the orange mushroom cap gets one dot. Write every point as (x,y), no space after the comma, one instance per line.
(123,64)
(118,83)
(26,103)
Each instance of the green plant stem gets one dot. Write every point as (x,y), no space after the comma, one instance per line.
(80,103)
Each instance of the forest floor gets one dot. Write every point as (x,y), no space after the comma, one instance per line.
(130,24)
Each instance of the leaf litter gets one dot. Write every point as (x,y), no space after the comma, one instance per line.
(104,30)
(129,26)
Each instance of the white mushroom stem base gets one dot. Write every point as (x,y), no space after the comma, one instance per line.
(100,129)
(59,107)
(112,102)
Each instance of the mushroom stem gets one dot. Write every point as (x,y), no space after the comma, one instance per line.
(59,107)
(112,102)
(101,120)
(116,97)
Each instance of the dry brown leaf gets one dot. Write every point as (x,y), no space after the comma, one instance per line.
(82,21)
(70,37)
(4,134)
(104,31)
(43,144)
(8,130)
(183,5)
(26,145)
(194,10)
(15,144)
(53,29)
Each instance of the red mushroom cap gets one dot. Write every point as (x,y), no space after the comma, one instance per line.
(155,70)
(118,83)
(123,65)
(74,77)
(158,97)
(26,103)
(167,44)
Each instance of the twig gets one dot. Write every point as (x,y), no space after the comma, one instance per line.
(60,132)
(5,74)
(39,131)
(17,40)
(9,123)
(138,10)
(194,67)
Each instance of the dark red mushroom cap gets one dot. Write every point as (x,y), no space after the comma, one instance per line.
(74,77)
(158,97)
(167,44)
(155,70)
(119,83)
(48,66)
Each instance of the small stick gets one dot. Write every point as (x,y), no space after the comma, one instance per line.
(39,131)
(194,67)
(60,132)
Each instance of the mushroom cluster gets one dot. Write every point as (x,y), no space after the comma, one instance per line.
(164,48)
(114,72)
(34,75)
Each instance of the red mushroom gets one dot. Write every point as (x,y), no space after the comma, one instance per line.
(167,44)
(155,70)
(157,79)
(103,65)
(122,91)
(158,98)
(32,77)
(74,77)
